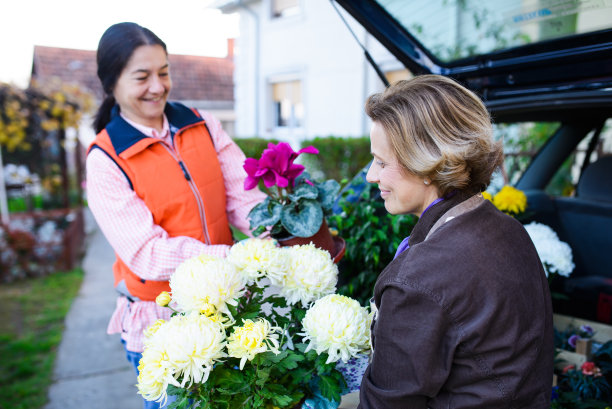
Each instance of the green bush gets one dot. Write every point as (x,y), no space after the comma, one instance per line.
(338,158)
(372,236)
(253,147)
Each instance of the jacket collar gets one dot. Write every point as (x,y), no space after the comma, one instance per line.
(431,216)
(123,135)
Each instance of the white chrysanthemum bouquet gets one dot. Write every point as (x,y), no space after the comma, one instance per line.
(261,328)
(556,255)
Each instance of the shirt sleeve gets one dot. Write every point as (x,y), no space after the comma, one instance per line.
(128,224)
(231,159)
(413,351)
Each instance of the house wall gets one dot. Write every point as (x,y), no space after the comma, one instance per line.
(315,48)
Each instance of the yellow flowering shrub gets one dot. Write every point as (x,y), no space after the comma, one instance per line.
(50,106)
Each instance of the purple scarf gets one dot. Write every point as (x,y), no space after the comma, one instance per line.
(404,244)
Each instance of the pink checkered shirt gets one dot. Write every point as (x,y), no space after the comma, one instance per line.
(146,249)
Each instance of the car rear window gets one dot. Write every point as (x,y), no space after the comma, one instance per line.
(455,29)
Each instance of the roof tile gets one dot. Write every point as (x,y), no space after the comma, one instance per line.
(193,77)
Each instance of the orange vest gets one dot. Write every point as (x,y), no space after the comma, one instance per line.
(184,189)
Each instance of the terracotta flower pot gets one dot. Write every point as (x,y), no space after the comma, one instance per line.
(322,239)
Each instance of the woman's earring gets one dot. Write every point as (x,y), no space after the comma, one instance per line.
(427,182)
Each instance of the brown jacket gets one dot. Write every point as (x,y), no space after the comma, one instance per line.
(464,318)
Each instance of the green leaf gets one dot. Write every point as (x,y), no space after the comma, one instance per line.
(329,388)
(328,192)
(228,378)
(258,231)
(304,191)
(263,374)
(265,213)
(282,400)
(303,219)
(298,314)
(291,361)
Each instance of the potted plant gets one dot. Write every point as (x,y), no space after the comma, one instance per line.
(258,329)
(295,209)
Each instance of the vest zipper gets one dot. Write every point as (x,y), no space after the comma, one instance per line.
(194,189)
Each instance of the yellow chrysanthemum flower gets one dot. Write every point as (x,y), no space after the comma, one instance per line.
(152,329)
(252,338)
(486,195)
(510,200)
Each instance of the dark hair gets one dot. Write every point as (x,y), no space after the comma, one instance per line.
(115,49)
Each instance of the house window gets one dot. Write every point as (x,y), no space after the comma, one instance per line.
(288,108)
(285,8)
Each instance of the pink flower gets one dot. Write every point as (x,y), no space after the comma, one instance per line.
(568,368)
(589,368)
(275,166)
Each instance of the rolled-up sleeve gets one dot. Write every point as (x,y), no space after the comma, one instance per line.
(413,350)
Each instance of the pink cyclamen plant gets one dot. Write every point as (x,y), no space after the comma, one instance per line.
(298,206)
(275,167)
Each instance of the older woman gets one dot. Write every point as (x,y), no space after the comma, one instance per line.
(464,315)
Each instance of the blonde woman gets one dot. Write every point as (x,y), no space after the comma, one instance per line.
(464,314)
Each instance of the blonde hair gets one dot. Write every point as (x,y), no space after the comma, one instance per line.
(438,130)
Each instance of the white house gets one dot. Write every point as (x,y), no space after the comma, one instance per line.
(299,73)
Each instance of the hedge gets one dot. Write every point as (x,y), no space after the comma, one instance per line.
(339,158)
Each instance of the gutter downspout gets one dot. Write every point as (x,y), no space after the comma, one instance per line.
(256,70)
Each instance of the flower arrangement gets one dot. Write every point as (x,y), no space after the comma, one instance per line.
(295,206)
(556,255)
(261,328)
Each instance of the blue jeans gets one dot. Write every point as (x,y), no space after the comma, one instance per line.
(134,359)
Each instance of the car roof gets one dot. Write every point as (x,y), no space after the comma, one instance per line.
(505,50)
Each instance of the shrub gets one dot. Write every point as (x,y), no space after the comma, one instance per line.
(338,158)
(372,236)
(253,147)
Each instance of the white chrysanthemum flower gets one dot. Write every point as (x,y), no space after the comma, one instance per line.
(154,374)
(256,258)
(252,338)
(556,255)
(179,352)
(152,329)
(311,274)
(203,282)
(337,325)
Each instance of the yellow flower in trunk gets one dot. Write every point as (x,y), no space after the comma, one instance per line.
(254,337)
(510,200)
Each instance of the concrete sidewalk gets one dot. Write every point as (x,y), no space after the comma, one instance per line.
(90,369)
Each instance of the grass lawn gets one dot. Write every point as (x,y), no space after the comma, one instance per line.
(32,315)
